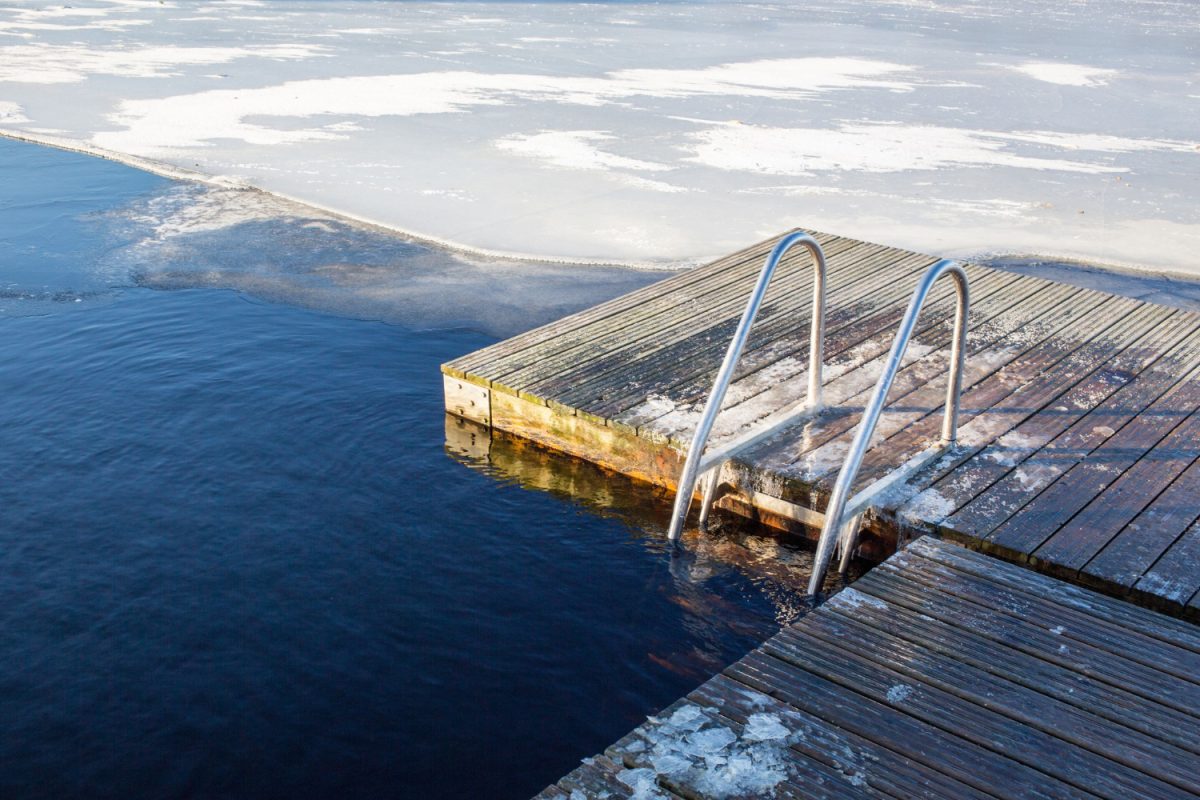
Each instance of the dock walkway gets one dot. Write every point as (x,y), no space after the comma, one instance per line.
(1079,431)
(942,673)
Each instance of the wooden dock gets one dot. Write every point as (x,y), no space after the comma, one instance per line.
(1080,426)
(941,674)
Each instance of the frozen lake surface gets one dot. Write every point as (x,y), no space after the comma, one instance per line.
(236,558)
(654,133)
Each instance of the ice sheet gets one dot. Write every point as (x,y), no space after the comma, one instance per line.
(654,134)
(195,236)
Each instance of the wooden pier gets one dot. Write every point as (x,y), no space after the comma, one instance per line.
(1080,425)
(941,674)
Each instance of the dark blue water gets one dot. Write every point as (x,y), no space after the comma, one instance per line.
(236,559)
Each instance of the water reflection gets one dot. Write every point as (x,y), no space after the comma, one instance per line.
(776,564)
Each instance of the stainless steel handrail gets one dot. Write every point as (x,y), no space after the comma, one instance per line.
(835,512)
(691,465)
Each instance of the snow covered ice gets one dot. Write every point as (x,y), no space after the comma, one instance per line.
(653,134)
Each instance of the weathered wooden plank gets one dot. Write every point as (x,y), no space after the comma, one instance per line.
(879,720)
(680,314)
(1068,623)
(1041,641)
(744,261)
(1112,741)
(1099,522)
(993,405)
(599,777)
(964,719)
(609,447)
(1127,557)
(1118,389)
(1118,612)
(1111,702)
(872,336)
(779,331)
(1036,521)
(861,760)
(849,389)
(1010,492)
(933,676)
(1175,578)
(694,332)
(467,400)
(646,300)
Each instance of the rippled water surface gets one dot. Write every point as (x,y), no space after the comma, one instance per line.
(239,557)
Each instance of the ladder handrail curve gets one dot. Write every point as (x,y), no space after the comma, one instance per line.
(866,427)
(691,465)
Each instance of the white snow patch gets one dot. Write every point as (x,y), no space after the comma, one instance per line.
(822,460)
(1011,448)
(573,150)
(764,728)
(866,147)
(853,598)
(1170,588)
(899,693)
(189,212)
(11,113)
(642,782)
(577,150)
(929,506)
(160,124)
(655,405)
(1065,74)
(697,750)
(1035,476)
(47,63)
(984,429)
(1096,142)
(1058,630)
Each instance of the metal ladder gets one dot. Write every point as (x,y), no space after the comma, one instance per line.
(697,461)
(843,517)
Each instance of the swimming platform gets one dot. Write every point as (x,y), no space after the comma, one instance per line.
(1079,426)
(1078,456)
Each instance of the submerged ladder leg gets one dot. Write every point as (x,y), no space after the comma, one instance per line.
(710,495)
(848,541)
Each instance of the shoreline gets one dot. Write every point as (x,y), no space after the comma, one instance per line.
(995,257)
(173,172)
